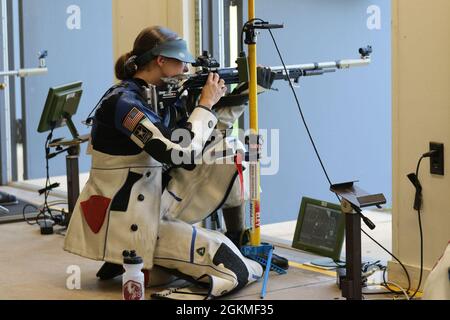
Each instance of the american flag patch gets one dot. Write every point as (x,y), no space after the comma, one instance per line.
(132,119)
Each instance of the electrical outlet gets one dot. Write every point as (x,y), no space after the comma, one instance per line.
(437,159)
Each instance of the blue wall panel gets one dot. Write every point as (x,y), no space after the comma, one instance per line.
(349,112)
(78,37)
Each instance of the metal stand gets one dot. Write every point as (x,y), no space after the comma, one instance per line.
(353,199)
(73,181)
(72,170)
(352,285)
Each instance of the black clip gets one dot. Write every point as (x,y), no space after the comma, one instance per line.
(418,197)
(49,188)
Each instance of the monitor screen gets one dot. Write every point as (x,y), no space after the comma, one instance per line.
(320,228)
(61,104)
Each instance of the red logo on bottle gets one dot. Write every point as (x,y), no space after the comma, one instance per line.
(132,290)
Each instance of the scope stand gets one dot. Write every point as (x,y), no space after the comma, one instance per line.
(352,200)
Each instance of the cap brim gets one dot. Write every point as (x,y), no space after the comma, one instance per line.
(181,55)
(176,49)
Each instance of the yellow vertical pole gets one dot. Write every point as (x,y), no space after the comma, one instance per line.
(255,234)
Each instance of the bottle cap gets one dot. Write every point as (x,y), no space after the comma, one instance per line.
(130,257)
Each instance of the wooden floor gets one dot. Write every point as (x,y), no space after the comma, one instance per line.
(34,266)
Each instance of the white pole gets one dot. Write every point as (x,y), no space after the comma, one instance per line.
(340,64)
(6,111)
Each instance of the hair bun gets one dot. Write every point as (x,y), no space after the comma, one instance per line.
(130,65)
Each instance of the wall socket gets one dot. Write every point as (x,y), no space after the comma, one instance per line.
(437,159)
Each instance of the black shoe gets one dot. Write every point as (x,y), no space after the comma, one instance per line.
(279,261)
(239,238)
(109,271)
(235,237)
(243,238)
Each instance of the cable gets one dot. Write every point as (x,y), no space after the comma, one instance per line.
(88,122)
(421,254)
(384,272)
(300,109)
(47,182)
(398,286)
(42,213)
(45,208)
(57,202)
(377,293)
(46,211)
(341,265)
(335,267)
(420,230)
(23,214)
(386,286)
(243,29)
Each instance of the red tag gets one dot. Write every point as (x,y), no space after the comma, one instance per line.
(238,162)
(94,211)
(257,214)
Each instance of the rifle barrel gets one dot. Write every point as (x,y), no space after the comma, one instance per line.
(340,64)
(231,75)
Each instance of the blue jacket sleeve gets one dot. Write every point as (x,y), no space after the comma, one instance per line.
(174,147)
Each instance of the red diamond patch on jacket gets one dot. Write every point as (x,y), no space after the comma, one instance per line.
(94,211)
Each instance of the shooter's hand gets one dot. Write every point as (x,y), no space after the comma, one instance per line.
(213,90)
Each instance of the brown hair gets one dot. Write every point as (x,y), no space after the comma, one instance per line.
(145,41)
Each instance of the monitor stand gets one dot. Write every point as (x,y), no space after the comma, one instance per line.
(72,170)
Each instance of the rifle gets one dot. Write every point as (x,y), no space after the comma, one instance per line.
(192,84)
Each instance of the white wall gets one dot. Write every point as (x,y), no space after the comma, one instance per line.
(421,113)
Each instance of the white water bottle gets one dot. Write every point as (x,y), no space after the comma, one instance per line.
(133,287)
